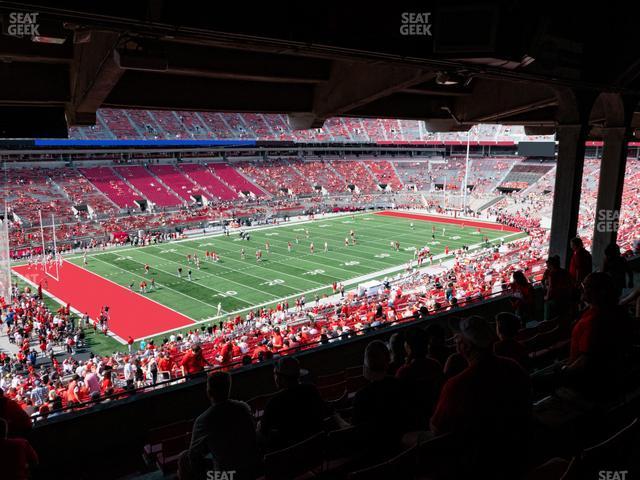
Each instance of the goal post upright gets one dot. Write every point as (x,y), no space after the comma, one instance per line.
(56,255)
(44,247)
(5,258)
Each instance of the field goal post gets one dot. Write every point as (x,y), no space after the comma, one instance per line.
(50,263)
(5,259)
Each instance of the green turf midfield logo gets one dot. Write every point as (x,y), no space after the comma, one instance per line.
(415,24)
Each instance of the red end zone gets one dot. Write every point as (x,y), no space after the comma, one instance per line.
(451,221)
(130,314)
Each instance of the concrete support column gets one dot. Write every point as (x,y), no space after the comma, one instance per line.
(612,170)
(566,197)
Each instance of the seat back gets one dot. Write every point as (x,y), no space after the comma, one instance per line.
(400,467)
(156,436)
(331,393)
(353,371)
(258,403)
(293,461)
(437,453)
(171,448)
(344,442)
(612,454)
(332,379)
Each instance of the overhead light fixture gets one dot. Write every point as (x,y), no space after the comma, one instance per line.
(50,40)
(449,78)
(444,78)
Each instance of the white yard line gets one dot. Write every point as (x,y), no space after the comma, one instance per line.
(331,218)
(220,234)
(346,283)
(158,283)
(207,274)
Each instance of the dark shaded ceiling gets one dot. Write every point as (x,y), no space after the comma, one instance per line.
(491,62)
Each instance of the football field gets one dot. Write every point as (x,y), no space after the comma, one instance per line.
(236,285)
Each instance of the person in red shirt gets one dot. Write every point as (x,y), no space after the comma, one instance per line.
(507,326)
(193,361)
(72,390)
(226,353)
(165,364)
(522,297)
(19,423)
(487,407)
(276,340)
(599,341)
(16,455)
(581,263)
(558,289)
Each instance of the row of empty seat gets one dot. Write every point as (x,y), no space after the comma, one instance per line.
(148,124)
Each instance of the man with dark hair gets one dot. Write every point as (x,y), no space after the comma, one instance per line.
(16,455)
(18,422)
(225,431)
(193,361)
(295,412)
(599,341)
(581,263)
(421,375)
(616,265)
(380,407)
(558,289)
(507,326)
(487,406)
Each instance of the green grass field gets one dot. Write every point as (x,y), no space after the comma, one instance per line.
(240,285)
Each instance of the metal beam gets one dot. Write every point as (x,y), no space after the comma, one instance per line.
(148,90)
(568,183)
(353,85)
(94,73)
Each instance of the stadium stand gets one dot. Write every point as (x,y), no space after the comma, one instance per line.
(80,191)
(106,180)
(356,173)
(476,319)
(148,185)
(157,124)
(278,177)
(201,175)
(65,383)
(384,172)
(320,172)
(232,178)
(177,181)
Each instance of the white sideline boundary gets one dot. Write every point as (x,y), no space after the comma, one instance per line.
(73,309)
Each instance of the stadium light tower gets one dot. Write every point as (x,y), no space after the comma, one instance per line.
(466,174)
(5,258)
